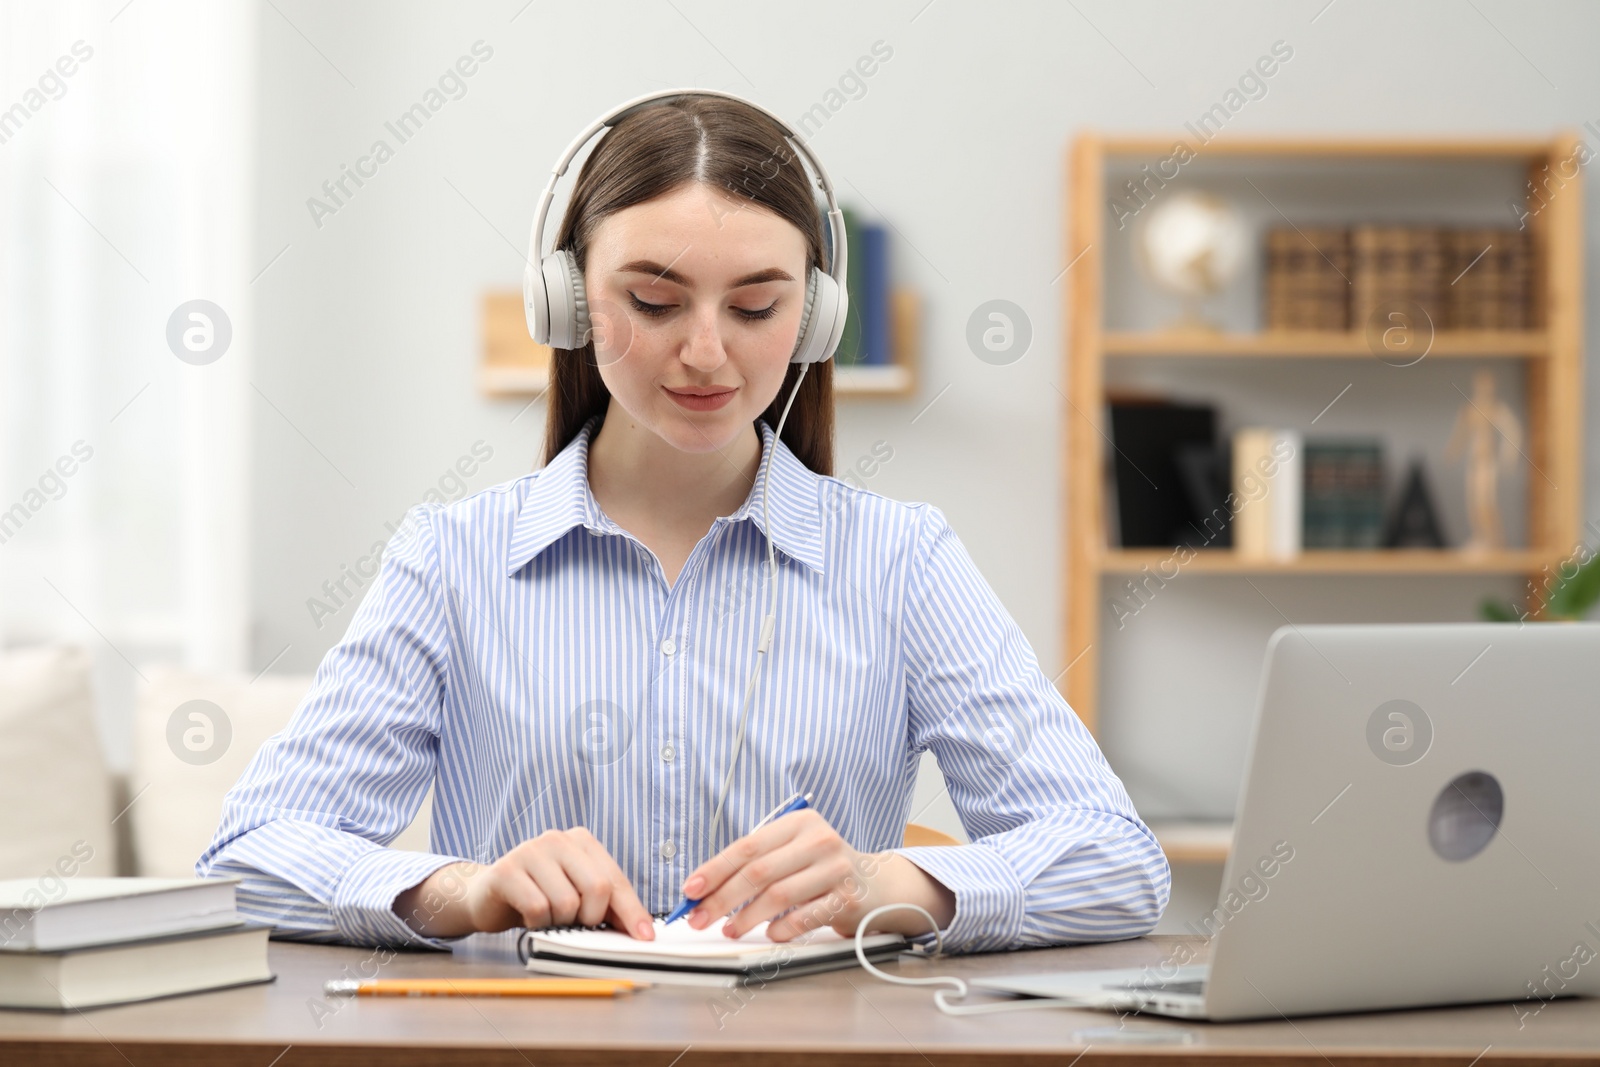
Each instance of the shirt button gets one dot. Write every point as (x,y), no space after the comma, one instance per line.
(667,753)
(668,850)
(669,646)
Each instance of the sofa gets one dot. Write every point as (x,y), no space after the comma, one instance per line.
(69,814)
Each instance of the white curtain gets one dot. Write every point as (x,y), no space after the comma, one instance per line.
(126,190)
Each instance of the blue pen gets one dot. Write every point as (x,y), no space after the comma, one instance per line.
(794,804)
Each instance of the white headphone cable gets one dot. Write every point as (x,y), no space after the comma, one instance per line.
(942,998)
(767,623)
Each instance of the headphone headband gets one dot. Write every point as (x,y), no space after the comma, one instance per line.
(839,249)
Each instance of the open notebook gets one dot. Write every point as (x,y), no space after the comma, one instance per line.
(679,949)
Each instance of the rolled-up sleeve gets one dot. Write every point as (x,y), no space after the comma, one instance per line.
(307,824)
(1058,853)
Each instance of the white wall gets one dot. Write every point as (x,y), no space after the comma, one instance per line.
(368,326)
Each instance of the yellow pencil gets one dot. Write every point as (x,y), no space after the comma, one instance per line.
(484,987)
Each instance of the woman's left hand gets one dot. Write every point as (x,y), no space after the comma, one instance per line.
(800,862)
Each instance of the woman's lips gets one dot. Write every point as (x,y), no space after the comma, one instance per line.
(701,402)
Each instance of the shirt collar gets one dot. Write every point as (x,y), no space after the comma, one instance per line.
(560,500)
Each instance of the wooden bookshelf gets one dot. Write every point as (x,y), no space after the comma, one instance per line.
(512,365)
(1193,841)
(1511,149)
(892,380)
(1549,358)
(1322,344)
(1325,561)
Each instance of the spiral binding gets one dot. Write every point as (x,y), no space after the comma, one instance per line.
(525,939)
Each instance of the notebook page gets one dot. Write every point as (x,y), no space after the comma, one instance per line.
(679,940)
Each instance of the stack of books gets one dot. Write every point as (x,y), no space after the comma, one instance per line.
(1332,278)
(1266,492)
(1297,494)
(68,944)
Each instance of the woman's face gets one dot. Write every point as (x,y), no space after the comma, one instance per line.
(695,298)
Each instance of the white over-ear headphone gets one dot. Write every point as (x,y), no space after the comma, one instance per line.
(552,286)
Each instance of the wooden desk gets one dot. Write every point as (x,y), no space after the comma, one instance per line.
(811,1020)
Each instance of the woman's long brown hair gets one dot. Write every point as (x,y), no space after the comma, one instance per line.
(718,142)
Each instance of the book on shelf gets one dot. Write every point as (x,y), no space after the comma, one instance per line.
(91,942)
(1153,508)
(1488,278)
(1267,486)
(876,330)
(876,320)
(1284,537)
(1340,278)
(849,352)
(1512,266)
(1344,493)
(1395,264)
(1307,278)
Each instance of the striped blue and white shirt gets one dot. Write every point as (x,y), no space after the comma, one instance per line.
(525,656)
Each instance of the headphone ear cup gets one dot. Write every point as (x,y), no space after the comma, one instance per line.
(822,323)
(802,337)
(535,304)
(580,302)
(568,320)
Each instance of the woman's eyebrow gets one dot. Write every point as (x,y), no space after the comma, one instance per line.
(646,266)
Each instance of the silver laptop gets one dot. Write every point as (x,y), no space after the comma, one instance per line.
(1419,825)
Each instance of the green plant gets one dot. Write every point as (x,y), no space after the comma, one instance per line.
(1572,596)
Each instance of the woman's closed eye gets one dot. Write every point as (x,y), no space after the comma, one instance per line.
(657,310)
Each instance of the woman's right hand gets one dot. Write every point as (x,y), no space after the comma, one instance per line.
(555,879)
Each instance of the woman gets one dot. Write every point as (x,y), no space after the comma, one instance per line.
(564,656)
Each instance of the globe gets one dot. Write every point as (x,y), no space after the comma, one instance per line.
(1192,244)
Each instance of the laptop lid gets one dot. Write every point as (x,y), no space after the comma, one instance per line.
(1419,823)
